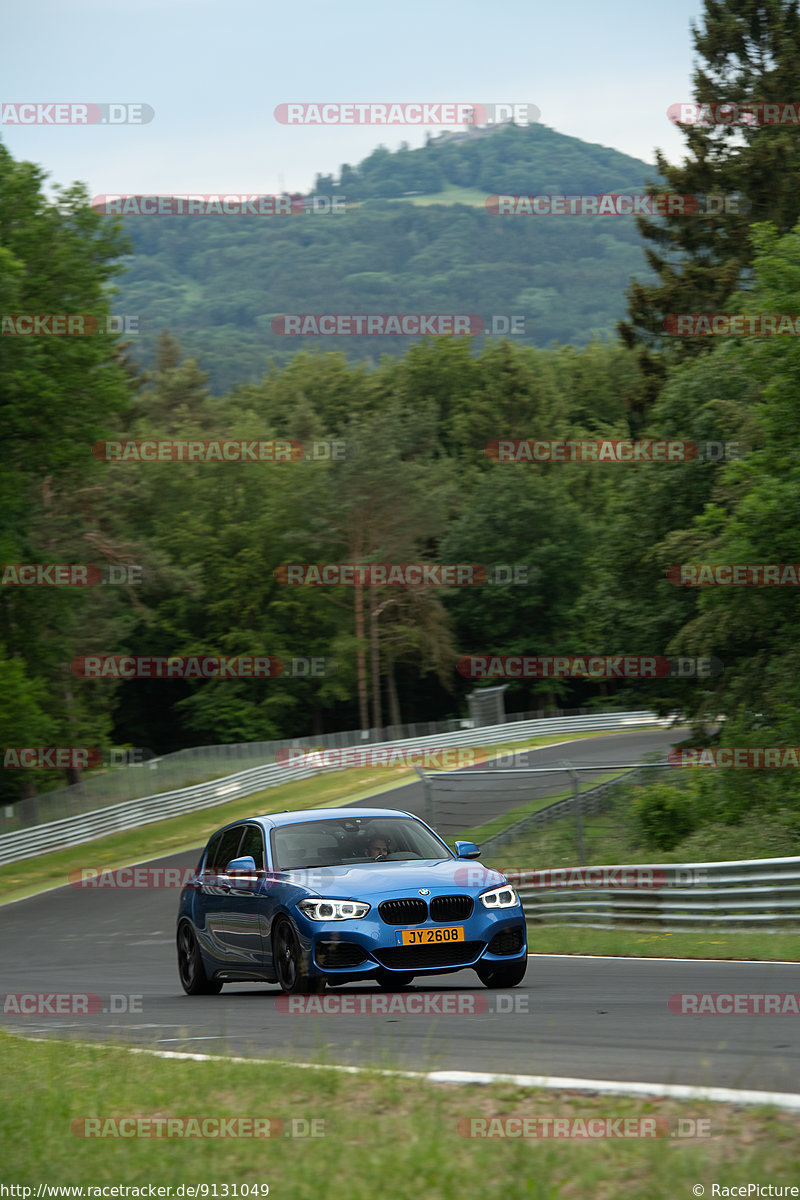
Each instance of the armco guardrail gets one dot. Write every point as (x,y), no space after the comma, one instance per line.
(144,774)
(751,893)
(72,831)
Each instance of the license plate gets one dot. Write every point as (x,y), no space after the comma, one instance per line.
(429,937)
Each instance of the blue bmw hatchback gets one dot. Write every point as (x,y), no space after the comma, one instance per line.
(340,894)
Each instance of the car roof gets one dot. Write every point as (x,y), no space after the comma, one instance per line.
(275,820)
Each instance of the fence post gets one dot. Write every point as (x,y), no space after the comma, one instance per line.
(428,793)
(576,804)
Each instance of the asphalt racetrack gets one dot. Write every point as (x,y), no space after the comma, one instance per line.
(591,1018)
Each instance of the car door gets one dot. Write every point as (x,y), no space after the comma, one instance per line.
(214,888)
(245,914)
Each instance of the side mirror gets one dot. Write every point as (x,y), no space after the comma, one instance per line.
(241,866)
(467,850)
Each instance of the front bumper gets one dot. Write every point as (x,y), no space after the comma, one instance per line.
(362,949)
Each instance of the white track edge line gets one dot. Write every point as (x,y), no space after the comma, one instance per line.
(743,962)
(614,1087)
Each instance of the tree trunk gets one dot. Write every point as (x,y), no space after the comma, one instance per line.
(361,662)
(394,703)
(74,774)
(375,661)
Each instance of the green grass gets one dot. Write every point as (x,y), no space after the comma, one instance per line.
(611,837)
(381,1136)
(709,942)
(452,194)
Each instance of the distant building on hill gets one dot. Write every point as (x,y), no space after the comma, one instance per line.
(470,133)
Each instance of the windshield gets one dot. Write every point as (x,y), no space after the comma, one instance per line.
(347,841)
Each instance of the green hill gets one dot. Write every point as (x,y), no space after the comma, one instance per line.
(217,281)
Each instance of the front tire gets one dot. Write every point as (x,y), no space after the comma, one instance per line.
(288,961)
(194,980)
(502,975)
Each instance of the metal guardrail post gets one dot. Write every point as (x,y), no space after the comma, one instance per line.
(428,793)
(576,804)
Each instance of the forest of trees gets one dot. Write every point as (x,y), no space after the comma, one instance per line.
(416,484)
(505,159)
(216,282)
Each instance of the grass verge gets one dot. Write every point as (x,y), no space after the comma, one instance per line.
(612,837)
(653,943)
(379,1135)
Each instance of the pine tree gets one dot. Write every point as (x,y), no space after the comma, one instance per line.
(751,55)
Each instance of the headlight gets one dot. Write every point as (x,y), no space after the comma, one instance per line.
(333,910)
(502,897)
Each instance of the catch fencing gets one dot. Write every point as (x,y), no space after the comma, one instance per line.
(145,775)
(477,800)
(588,803)
(43,836)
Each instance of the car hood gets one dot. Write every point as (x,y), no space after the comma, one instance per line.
(397,878)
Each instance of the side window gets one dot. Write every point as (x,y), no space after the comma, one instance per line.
(224,850)
(253,844)
(213,848)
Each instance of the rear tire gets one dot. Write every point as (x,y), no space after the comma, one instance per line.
(194,980)
(288,961)
(502,975)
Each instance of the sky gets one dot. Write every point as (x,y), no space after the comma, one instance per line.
(213,75)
